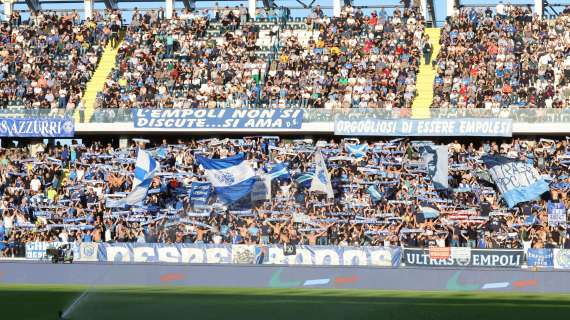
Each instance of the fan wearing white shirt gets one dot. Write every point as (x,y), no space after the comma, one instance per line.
(35,184)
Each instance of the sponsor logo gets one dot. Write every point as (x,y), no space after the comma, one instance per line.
(68,127)
(88,250)
(563,258)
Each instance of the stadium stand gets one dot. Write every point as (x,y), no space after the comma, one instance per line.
(46,61)
(188,62)
(342,54)
(513,59)
(350,61)
(384,194)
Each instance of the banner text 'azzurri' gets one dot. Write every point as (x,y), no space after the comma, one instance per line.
(37,127)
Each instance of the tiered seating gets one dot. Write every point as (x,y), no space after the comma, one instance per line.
(189,62)
(46,61)
(512,59)
(351,61)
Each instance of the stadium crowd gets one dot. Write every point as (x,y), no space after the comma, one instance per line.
(506,58)
(46,61)
(383,195)
(355,60)
(488,59)
(176,63)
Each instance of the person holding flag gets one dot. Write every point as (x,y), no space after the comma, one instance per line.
(145,170)
(232,177)
(322,179)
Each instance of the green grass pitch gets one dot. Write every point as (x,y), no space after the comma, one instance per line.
(137,302)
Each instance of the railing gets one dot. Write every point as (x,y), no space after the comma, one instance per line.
(34,113)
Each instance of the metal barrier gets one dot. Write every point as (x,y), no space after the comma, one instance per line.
(34,113)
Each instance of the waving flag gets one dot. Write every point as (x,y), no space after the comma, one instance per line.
(304,179)
(322,180)
(279,171)
(429,211)
(374,194)
(357,150)
(436,158)
(199,193)
(145,169)
(518,181)
(232,178)
(161,152)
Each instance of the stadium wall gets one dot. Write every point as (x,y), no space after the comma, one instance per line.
(262,276)
(306,128)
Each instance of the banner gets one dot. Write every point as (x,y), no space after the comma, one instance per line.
(540,257)
(199,193)
(322,180)
(479,127)
(518,181)
(261,189)
(556,213)
(561,258)
(88,251)
(439,253)
(244,253)
(272,254)
(37,250)
(37,127)
(477,258)
(436,158)
(460,253)
(218,118)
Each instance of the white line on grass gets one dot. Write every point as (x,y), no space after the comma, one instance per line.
(74,304)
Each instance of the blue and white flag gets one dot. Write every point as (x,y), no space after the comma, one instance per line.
(322,180)
(436,158)
(232,178)
(145,169)
(357,150)
(304,179)
(374,194)
(518,181)
(279,171)
(429,211)
(161,152)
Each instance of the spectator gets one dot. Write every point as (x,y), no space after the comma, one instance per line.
(351,61)
(39,204)
(46,61)
(176,63)
(512,59)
